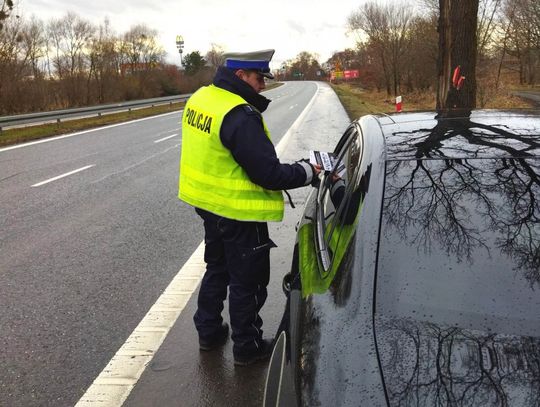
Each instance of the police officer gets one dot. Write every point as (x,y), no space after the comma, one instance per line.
(230,173)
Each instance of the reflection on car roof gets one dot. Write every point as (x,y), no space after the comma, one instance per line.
(485,134)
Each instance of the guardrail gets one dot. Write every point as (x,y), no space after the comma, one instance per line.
(58,115)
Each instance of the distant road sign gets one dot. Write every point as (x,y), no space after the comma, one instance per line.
(352,74)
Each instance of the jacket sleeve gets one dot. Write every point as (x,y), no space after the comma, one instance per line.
(242,132)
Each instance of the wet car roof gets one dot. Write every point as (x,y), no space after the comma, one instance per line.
(458,270)
(485,134)
(464,237)
(459,274)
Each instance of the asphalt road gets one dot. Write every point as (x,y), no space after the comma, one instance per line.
(531,95)
(84,256)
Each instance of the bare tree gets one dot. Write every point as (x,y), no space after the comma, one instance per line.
(215,56)
(104,66)
(70,37)
(68,62)
(34,44)
(70,34)
(34,91)
(432,6)
(11,66)
(141,48)
(371,19)
(420,61)
(140,54)
(22,84)
(305,66)
(487,24)
(346,59)
(523,37)
(386,28)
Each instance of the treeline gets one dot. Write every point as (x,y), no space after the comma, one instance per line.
(398,45)
(70,62)
(304,67)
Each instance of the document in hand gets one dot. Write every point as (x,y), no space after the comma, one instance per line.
(327,161)
(324,159)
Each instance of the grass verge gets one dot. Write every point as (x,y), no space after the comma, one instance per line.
(23,134)
(358,102)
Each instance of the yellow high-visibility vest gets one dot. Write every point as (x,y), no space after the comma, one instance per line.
(210,178)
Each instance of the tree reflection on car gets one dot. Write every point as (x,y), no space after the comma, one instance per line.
(416,272)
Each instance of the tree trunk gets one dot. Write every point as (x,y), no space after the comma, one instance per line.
(457,47)
(503,53)
(386,73)
(500,65)
(443,61)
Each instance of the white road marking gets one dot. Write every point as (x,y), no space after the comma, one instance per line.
(293,106)
(113,385)
(137,163)
(115,382)
(46,140)
(165,138)
(285,139)
(62,176)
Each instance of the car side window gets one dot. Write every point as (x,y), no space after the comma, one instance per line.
(336,208)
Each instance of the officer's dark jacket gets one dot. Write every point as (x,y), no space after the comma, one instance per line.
(242,132)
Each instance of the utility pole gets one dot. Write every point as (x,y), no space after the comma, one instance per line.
(180,47)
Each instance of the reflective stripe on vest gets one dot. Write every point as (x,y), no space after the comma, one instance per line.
(210,178)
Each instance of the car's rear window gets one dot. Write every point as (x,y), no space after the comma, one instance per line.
(460,244)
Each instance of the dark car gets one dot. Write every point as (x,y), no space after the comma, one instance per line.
(416,272)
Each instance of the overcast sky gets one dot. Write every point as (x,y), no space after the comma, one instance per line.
(288,26)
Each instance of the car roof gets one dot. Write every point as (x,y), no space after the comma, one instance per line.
(457,270)
(482,134)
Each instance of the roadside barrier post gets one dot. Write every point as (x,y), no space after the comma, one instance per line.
(398,104)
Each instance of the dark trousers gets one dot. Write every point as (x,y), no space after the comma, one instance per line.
(237,255)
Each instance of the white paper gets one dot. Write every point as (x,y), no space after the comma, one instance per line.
(324,159)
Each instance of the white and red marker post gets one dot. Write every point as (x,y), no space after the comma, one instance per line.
(398,104)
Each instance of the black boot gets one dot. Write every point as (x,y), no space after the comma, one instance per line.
(217,340)
(263,352)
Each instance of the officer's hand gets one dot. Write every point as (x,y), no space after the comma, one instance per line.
(315,181)
(312,171)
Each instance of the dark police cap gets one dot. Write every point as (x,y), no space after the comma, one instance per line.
(258,61)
